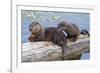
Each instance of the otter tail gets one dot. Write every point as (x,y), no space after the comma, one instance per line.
(85,32)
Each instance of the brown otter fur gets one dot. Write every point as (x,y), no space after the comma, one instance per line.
(47,34)
(57,37)
(36,32)
(71,30)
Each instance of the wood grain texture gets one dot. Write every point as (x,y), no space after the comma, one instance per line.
(47,51)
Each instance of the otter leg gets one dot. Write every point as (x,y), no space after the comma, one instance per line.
(60,39)
(74,38)
(64,50)
(31,39)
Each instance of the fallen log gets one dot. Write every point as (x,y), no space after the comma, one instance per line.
(47,51)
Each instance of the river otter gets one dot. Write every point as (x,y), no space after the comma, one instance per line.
(36,32)
(72,30)
(48,34)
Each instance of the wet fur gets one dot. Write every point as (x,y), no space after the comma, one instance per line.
(55,34)
(48,34)
(72,30)
(37,32)
(57,37)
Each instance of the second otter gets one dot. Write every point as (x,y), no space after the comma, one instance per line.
(71,30)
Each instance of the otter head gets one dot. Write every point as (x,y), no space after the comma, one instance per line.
(71,30)
(61,24)
(35,28)
(65,26)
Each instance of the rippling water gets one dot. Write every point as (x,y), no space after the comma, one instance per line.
(48,19)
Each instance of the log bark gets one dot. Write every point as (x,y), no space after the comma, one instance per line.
(47,51)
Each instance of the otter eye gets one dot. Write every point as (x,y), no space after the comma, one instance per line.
(36,24)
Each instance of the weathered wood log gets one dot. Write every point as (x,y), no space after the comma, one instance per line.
(47,51)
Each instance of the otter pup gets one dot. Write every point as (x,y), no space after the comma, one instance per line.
(72,30)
